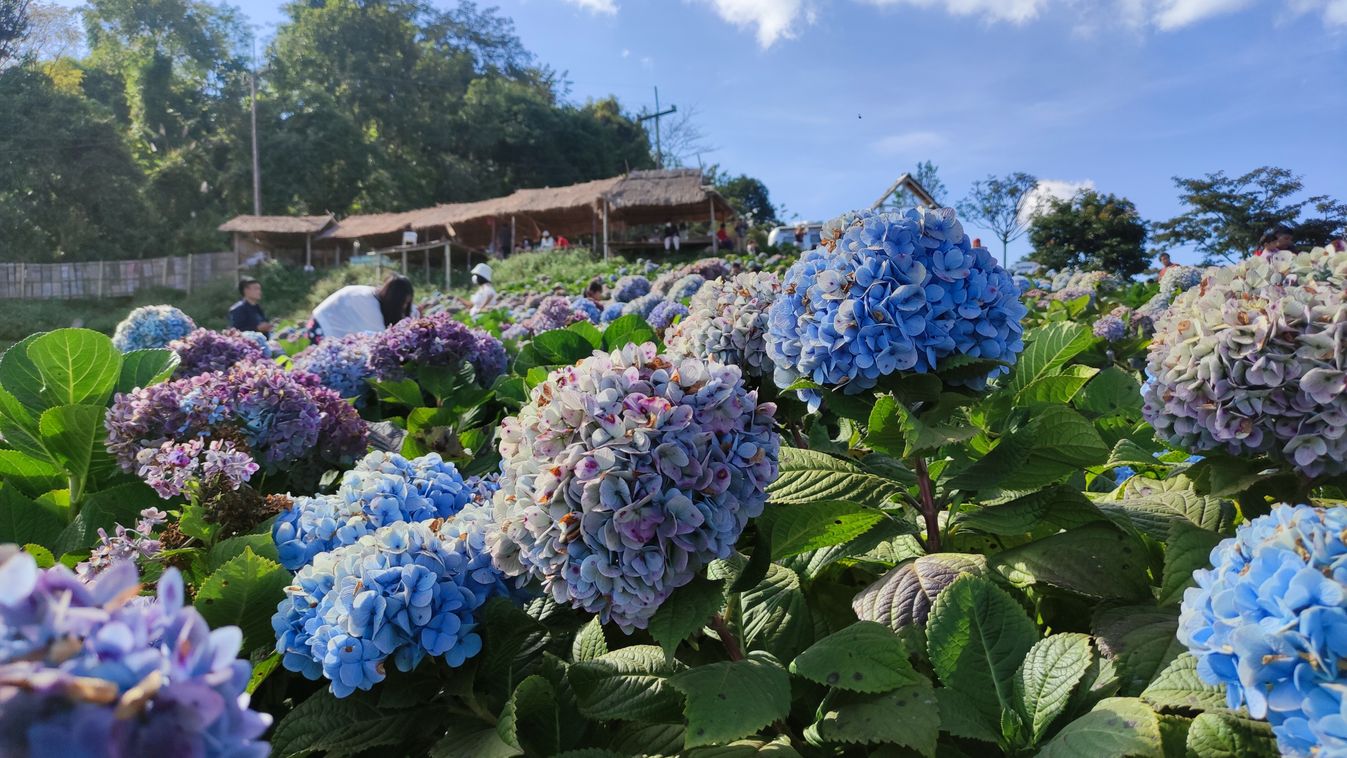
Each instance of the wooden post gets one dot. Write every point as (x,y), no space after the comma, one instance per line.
(446,266)
(238,258)
(337,263)
(605,228)
(513,242)
(163,275)
(715,241)
(23,280)
(102,264)
(308,252)
(404,261)
(378,266)
(189,273)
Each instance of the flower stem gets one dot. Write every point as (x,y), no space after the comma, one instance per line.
(727,638)
(929,509)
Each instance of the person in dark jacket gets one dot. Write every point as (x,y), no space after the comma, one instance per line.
(246,315)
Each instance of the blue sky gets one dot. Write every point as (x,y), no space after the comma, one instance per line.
(827,101)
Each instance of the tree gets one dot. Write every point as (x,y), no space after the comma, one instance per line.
(1091,231)
(748,195)
(927,174)
(13,27)
(1227,215)
(997,203)
(682,141)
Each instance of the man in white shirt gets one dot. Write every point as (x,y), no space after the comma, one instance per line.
(484,299)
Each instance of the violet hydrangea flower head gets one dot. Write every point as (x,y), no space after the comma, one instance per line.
(125,545)
(727,321)
(1252,362)
(1110,328)
(625,474)
(555,312)
(405,591)
(1179,279)
(888,292)
(1269,622)
(341,364)
(588,307)
(630,287)
(84,671)
(382,489)
(643,305)
(436,340)
(664,313)
(205,350)
(151,326)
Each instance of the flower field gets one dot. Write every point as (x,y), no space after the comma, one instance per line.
(881,498)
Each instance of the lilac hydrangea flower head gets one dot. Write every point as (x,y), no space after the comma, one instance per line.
(206,350)
(664,313)
(630,287)
(727,321)
(555,312)
(382,489)
(405,591)
(1252,362)
(1269,622)
(1110,328)
(588,307)
(124,545)
(625,474)
(436,340)
(151,326)
(341,364)
(889,292)
(84,669)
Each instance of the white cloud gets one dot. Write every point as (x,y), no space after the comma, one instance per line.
(1051,189)
(606,7)
(773,19)
(1334,11)
(1016,11)
(907,143)
(1176,14)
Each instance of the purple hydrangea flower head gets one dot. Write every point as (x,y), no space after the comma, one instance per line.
(1110,328)
(664,313)
(630,287)
(124,545)
(404,591)
(588,307)
(625,474)
(94,669)
(1269,622)
(1253,362)
(888,292)
(1179,279)
(555,312)
(436,340)
(275,416)
(205,350)
(728,323)
(342,364)
(151,326)
(382,489)
(175,466)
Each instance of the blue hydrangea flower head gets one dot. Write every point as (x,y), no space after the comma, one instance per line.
(888,292)
(627,473)
(630,287)
(1269,622)
(405,591)
(1110,328)
(588,307)
(643,305)
(664,313)
(342,364)
(612,312)
(151,326)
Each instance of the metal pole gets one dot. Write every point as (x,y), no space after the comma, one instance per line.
(257,165)
(189,273)
(605,228)
(308,252)
(446,266)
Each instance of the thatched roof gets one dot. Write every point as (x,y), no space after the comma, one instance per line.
(376,224)
(657,195)
(277,224)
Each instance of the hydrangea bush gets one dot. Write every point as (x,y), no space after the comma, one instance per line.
(1268,621)
(151,326)
(664,313)
(889,292)
(1252,363)
(95,670)
(436,340)
(205,350)
(342,364)
(727,321)
(630,287)
(625,474)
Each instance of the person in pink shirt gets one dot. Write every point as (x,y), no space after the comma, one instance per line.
(1277,238)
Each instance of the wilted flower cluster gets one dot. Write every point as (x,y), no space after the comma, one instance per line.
(405,591)
(436,340)
(86,671)
(342,364)
(124,545)
(382,489)
(176,466)
(205,350)
(889,292)
(727,322)
(277,417)
(1110,328)
(626,474)
(151,326)
(664,313)
(1254,362)
(630,287)
(1269,621)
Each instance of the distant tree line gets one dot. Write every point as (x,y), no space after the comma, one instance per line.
(139,144)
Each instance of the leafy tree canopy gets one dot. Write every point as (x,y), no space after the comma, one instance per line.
(1091,231)
(748,195)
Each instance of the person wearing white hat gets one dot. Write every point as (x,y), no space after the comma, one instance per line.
(485,296)
(547,243)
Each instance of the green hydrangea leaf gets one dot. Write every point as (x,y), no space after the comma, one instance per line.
(863,657)
(732,699)
(1048,676)
(244,592)
(629,684)
(1117,728)
(1227,735)
(1178,686)
(908,716)
(685,612)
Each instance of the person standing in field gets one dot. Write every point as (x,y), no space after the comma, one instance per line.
(484,299)
(246,315)
(546,243)
(671,239)
(361,308)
